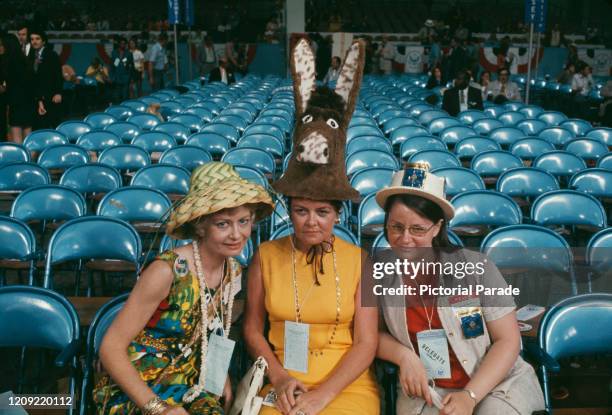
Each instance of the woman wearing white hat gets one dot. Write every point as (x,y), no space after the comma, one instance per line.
(181,307)
(456,354)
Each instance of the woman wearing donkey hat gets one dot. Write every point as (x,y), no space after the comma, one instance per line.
(307,286)
(181,307)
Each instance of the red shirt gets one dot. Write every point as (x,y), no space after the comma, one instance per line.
(417,321)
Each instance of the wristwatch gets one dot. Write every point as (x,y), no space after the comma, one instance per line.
(472,395)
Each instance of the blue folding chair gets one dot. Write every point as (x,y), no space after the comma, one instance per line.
(371,180)
(420,143)
(368,143)
(552,118)
(435,158)
(246,114)
(440,124)
(172,180)
(469,147)
(393,124)
(145,208)
(365,120)
(577,126)
(531,127)
(511,118)
(97,329)
(63,156)
(99,120)
(401,134)
(186,156)
(370,158)
(605,162)
(135,105)
(531,147)
(39,140)
(495,162)
(11,153)
(41,318)
(370,217)
(17,248)
(176,130)
(252,157)
(91,178)
(531,111)
(169,109)
(265,128)
(391,114)
(203,114)
(493,110)
(587,148)
(484,126)
(362,130)
(459,180)
(125,157)
(145,122)
(216,144)
(603,134)
(469,117)
(526,182)
(120,112)
(598,256)
(49,202)
(125,130)
(506,136)
(226,130)
(426,117)
(477,211)
(265,142)
(72,130)
(596,182)
(568,208)
(235,120)
(575,326)
(452,135)
(99,238)
(154,141)
(19,176)
(560,163)
(98,140)
(252,174)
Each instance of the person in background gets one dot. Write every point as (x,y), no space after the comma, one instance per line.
(138,72)
(207,56)
(582,84)
(222,73)
(462,96)
(435,79)
(605,109)
(24,39)
(386,52)
(483,84)
(503,89)
(158,62)
(99,72)
(566,76)
(333,72)
(122,66)
(555,36)
(48,81)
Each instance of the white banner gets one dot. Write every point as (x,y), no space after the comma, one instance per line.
(412,58)
(601,60)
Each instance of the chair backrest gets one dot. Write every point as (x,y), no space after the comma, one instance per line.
(511,118)
(177,130)
(471,116)
(125,157)
(526,182)
(436,158)
(98,140)
(552,117)
(531,111)
(577,126)
(454,134)
(459,180)
(531,147)
(393,124)
(557,136)
(191,121)
(120,112)
(368,143)
(484,126)
(92,237)
(164,177)
(568,207)
(506,136)
(401,134)
(495,162)
(371,180)
(420,143)
(426,117)
(235,120)
(226,130)
(135,204)
(252,174)
(528,246)
(39,140)
(359,130)
(370,217)
(438,125)
(91,178)
(72,130)
(48,202)
(251,156)
(339,230)
(370,158)
(21,175)
(577,326)
(265,142)
(154,141)
(586,148)
(486,208)
(560,163)
(135,105)
(599,250)
(202,113)
(145,122)
(17,241)
(99,120)
(11,153)
(37,317)
(125,130)
(471,146)
(603,134)
(215,144)
(186,156)
(531,127)
(596,182)
(63,156)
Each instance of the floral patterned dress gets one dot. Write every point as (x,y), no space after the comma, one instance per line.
(167,351)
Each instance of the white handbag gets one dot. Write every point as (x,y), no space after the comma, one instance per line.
(247,402)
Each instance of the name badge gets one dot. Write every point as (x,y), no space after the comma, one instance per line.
(296,346)
(433,351)
(218,357)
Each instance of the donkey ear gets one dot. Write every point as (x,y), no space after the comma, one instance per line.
(303,74)
(349,80)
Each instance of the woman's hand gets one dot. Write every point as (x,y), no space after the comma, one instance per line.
(286,389)
(228,395)
(175,410)
(311,403)
(413,376)
(458,403)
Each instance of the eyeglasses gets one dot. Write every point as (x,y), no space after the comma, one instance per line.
(397,229)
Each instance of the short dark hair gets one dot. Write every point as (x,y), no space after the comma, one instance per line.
(502,69)
(425,208)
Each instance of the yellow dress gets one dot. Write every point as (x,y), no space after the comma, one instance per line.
(318,309)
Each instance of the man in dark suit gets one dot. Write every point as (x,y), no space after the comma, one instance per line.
(222,73)
(462,96)
(48,81)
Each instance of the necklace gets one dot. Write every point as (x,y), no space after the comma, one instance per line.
(298,307)
(197,389)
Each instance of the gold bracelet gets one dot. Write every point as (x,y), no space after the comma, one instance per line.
(155,406)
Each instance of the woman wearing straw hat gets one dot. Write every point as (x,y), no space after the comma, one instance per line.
(321,341)
(457,354)
(180,309)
